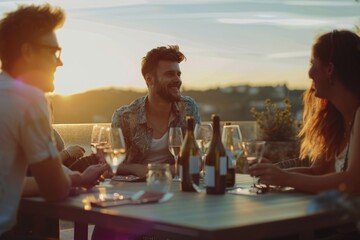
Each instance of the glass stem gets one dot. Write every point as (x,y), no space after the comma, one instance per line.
(203,158)
(176,167)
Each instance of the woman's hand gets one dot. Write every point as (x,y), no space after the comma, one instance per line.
(269,174)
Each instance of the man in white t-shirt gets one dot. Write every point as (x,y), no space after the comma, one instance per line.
(30,54)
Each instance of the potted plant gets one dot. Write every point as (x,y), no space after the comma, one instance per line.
(278,127)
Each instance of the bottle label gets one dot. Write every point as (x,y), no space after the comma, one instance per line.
(233,163)
(180,171)
(223,167)
(194,164)
(210,176)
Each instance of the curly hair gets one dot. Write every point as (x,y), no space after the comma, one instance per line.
(323,125)
(154,56)
(26,24)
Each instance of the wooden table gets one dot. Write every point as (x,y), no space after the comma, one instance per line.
(196,215)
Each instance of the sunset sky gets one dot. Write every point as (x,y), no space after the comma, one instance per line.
(226,42)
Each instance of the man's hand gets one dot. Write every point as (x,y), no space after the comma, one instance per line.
(92,175)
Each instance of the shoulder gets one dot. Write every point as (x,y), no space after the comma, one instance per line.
(130,108)
(127,112)
(20,95)
(357,117)
(21,91)
(190,107)
(189,102)
(356,125)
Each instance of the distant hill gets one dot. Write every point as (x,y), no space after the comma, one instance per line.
(231,103)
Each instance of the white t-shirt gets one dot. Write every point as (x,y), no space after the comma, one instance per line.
(340,158)
(159,150)
(25,138)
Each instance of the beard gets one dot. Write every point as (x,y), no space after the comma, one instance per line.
(164,91)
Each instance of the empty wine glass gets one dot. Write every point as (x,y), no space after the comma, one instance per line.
(231,138)
(174,144)
(95,137)
(203,135)
(115,152)
(254,151)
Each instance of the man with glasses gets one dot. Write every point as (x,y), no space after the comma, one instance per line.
(30,55)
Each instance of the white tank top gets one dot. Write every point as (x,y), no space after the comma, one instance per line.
(159,150)
(340,160)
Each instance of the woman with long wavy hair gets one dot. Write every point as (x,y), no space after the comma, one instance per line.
(331,121)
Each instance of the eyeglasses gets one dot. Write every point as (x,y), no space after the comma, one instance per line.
(56,50)
(333,45)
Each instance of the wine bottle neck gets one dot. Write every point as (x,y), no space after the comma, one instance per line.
(216,131)
(190,128)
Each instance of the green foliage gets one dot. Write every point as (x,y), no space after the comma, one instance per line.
(276,124)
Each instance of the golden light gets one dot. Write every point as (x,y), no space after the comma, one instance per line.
(91,59)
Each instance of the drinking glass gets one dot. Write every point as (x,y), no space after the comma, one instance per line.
(103,143)
(115,152)
(159,177)
(95,137)
(231,138)
(174,143)
(203,136)
(254,151)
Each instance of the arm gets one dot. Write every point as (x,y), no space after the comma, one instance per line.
(138,169)
(318,167)
(271,175)
(348,180)
(194,111)
(48,186)
(132,168)
(69,155)
(30,187)
(52,183)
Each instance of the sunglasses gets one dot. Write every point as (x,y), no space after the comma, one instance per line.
(56,50)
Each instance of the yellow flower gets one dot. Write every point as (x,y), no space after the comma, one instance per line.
(276,124)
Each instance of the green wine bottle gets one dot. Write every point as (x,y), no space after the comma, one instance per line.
(229,146)
(216,162)
(189,159)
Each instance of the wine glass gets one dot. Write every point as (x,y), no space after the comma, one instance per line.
(115,152)
(231,138)
(254,151)
(203,136)
(174,143)
(103,143)
(95,137)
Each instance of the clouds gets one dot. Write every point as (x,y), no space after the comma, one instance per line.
(225,41)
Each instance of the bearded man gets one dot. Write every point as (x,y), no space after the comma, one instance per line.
(146,121)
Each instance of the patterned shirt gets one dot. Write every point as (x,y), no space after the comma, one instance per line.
(132,120)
